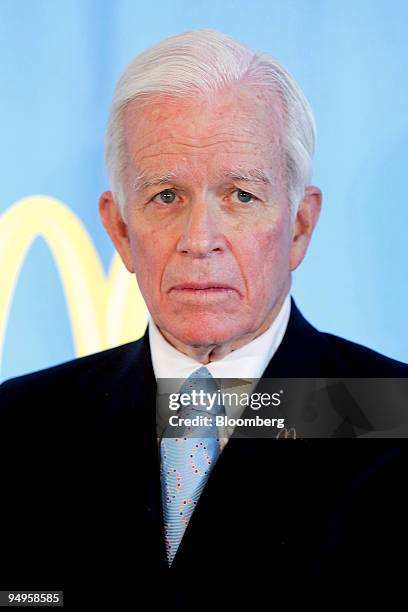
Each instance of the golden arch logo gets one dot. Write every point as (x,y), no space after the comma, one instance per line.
(104,311)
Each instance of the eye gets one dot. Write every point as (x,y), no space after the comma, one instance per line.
(165,197)
(244,197)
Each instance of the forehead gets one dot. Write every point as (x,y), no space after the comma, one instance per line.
(239,127)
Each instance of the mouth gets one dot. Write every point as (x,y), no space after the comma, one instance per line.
(202,287)
(204,291)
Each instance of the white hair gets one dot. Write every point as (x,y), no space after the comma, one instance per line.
(206,61)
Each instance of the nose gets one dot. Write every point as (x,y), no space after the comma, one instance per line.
(201,236)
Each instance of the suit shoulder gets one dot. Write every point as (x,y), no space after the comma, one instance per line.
(72,371)
(364,361)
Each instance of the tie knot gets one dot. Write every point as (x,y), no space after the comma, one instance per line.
(204,391)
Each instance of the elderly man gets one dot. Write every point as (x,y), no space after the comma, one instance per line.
(209,152)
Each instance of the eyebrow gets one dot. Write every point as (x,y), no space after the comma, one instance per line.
(144,182)
(253,175)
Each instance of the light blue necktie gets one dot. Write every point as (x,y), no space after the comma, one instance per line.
(186,461)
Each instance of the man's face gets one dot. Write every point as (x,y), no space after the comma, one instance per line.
(208,217)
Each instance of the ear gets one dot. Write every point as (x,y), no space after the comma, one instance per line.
(304,224)
(116,227)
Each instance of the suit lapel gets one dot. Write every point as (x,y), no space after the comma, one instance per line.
(300,354)
(126,403)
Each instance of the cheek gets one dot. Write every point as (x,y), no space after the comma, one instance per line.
(265,259)
(149,255)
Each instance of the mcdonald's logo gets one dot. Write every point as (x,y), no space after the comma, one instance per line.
(287,434)
(104,310)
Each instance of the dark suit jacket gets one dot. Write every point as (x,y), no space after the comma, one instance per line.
(80,503)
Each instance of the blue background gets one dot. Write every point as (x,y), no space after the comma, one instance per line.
(59,61)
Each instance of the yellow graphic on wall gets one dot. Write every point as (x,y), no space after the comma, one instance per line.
(104,311)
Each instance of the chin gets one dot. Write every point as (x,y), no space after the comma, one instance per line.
(203,331)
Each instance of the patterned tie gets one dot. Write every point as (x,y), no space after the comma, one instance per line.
(186,461)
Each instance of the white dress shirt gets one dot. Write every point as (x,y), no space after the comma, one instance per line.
(248,362)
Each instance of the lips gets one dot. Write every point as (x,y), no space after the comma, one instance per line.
(202,286)
(203,294)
